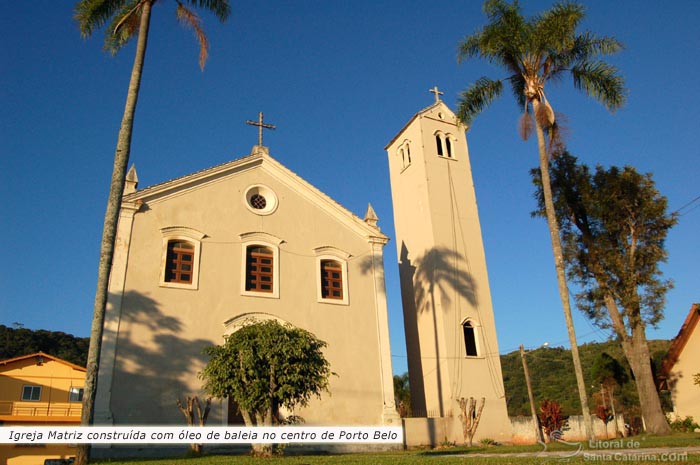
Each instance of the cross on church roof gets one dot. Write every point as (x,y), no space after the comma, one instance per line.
(259,123)
(437,93)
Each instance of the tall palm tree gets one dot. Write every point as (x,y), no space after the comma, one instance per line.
(128,19)
(534,52)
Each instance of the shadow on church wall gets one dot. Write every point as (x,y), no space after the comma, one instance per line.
(439,273)
(154,358)
(367,268)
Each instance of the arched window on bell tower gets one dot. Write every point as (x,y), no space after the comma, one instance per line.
(470,340)
(404,152)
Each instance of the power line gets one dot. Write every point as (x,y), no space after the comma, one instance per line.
(688,211)
(687,205)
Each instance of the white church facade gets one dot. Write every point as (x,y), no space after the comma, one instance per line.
(198,255)
(249,239)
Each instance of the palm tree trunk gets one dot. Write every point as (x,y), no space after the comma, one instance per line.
(561,273)
(121,161)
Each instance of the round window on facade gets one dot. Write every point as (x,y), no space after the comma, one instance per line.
(261,200)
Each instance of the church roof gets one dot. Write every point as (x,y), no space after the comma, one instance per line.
(420,113)
(262,159)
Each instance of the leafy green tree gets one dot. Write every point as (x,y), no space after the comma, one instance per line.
(608,371)
(127,19)
(265,366)
(613,225)
(534,52)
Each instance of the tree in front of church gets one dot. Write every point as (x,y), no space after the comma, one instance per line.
(613,225)
(534,52)
(127,19)
(265,366)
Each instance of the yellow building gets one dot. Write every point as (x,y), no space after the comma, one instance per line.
(681,365)
(39,389)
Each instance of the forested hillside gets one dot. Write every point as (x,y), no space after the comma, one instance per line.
(21,341)
(552,374)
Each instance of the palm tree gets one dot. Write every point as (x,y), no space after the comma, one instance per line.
(534,52)
(128,18)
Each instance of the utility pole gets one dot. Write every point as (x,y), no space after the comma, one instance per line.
(536,420)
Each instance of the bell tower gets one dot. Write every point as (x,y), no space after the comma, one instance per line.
(448,315)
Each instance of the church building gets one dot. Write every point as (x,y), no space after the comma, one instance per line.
(199,255)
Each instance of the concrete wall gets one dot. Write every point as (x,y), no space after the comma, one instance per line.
(524,430)
(432,432)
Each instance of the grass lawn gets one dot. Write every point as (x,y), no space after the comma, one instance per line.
(451,456)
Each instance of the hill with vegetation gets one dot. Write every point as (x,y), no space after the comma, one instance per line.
(15,342)
(552,376)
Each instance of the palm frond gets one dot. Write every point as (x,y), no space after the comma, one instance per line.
(601,81)
(553,31)
(93,14)
(525,125)
(557,135)
(220,8)
(190,19)
(477,97)
(499,41)
(517,86)
(124,26)
(469,47)
(496,10)
(544,115)
(585,47)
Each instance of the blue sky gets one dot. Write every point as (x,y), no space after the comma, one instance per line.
(338,79)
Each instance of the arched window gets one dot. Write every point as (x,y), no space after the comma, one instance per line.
(179,263)
(470,339)
(331,279)
(260,265)
(438,142)
(405,152)
(332,276)
(259,275)
(448,146)
(181,257)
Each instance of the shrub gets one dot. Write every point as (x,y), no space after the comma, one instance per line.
(686,425)
(551,417)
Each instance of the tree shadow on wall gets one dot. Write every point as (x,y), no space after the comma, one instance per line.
(369,265)
(438,279)
(155,363)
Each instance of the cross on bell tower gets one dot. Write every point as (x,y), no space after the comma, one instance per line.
(437,93)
